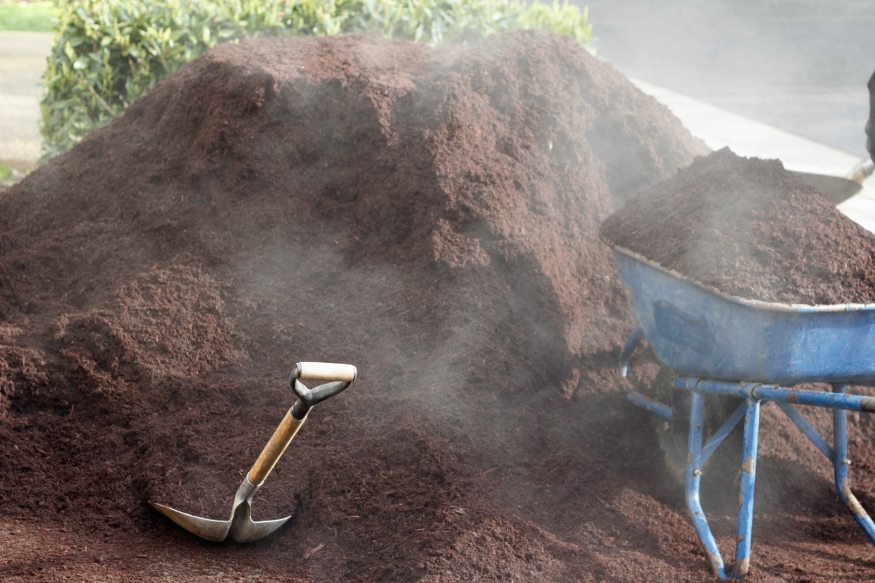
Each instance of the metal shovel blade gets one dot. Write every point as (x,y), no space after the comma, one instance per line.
(240,527)
(835,189)
(838,189)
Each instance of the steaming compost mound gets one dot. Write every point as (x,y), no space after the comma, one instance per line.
(430,215)
(749,228)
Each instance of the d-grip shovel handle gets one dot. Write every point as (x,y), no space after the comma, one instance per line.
(342,374)
(324,371)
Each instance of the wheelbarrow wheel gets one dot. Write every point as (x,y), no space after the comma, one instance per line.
(673,435)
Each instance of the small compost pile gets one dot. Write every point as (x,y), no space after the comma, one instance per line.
(429,215)
(749,228)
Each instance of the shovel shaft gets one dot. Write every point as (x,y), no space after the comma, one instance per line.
(270,455)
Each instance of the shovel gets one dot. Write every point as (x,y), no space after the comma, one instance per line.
(240,527)
(838,189)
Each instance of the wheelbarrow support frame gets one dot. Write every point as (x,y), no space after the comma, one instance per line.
(753,396)
(703,333)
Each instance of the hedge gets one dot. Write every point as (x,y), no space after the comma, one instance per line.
(108,52)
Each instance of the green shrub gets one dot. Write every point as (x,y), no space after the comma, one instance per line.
(108,52)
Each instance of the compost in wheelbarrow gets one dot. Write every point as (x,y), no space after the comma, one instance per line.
(750,229)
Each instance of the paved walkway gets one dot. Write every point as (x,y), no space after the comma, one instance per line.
(22,61)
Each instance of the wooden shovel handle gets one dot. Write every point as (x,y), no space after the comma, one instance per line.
(326,371)
(270,455)
(340,377)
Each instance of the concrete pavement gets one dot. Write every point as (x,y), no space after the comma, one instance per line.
(22,61)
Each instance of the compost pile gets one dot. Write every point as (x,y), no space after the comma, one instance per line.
(749,228)
(430,215)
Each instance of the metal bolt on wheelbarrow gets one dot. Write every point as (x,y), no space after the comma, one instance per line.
(724,346)
(240,527)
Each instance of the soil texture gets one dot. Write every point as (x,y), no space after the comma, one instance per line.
(749,228)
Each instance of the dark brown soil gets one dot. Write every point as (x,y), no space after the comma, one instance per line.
(749,228)
(428,215)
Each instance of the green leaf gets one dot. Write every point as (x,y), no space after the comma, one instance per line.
(68,50)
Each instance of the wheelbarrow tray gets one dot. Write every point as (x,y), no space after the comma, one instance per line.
(699,331)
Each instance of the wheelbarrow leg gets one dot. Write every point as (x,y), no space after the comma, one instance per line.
(692,479)
(747,484)
(841,464)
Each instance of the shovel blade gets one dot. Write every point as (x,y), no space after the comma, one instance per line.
(206,528)
(244,532)
(241,528)
(835,189)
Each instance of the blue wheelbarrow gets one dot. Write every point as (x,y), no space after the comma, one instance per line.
(721,345)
